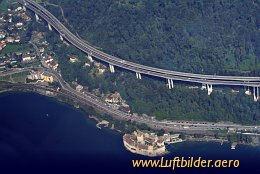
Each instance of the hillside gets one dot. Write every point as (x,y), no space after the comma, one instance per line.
(192,41)
(216,37)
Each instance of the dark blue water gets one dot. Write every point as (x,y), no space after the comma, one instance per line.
(41,135)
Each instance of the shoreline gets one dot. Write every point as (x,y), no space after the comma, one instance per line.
(103,123)
(106,141)
(60,99)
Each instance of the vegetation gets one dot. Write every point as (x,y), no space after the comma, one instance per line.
(213,38)
(4,4)
(18,77)
(13,48)
(216,37)
(151,96)
(239,138)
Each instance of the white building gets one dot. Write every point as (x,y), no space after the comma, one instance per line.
(74,59)
(26,57)
(114,98)
(19,9)
(2,35)
(79,88)
(2,45)
(9,39)
(41,50)
(17,39)
(19,25)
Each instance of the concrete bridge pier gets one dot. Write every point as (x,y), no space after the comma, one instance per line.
(256,93)
(49,26)
(61,38)
(112,68)
(36,17)
(138,75)
(203,87)
(209,88)
(90,58)
(248,92)
(170,83)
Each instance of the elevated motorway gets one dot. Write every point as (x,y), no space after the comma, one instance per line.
(170,76)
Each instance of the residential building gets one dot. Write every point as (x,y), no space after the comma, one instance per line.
(24,17)
(9,39)
(19,25)
(79,88)
(74,59)
(2,45)
(41,77)
(42,49)
(114,98)
(26,57)
(102,69)
(2,35)
(17,39)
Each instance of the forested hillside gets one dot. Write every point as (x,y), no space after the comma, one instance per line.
(213,37)
(216,37)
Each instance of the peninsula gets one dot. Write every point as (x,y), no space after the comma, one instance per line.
(144,144)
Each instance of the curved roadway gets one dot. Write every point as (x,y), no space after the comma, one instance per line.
(112,60)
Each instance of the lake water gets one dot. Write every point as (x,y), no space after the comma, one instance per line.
(41,135)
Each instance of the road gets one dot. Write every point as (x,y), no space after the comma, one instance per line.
(134,67)
(96,102)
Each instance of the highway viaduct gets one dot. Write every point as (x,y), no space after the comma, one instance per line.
(207,81)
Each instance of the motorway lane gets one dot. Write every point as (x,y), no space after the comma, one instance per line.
(159,74)
(123,115)
(211,79)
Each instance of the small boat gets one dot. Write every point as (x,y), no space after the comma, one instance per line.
(233,146)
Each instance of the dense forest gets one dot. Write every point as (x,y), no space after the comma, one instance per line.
(151,96)
(220,37)
(200,36)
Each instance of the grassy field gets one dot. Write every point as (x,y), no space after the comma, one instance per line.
(219,131)
(12,48)
(18,77)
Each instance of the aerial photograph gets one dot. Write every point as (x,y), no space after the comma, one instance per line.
(129,86)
